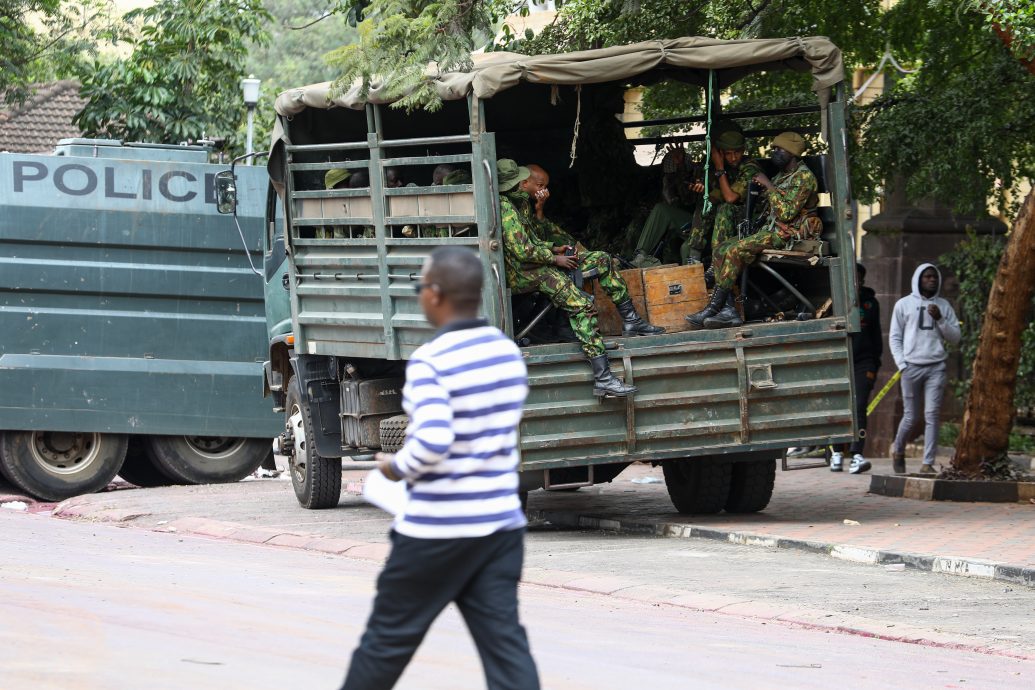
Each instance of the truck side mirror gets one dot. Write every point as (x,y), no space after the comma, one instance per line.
(226,192)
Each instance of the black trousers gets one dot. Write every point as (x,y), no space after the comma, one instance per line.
(421,577)
(864,377)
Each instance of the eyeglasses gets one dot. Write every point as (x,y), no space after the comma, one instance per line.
(422,286)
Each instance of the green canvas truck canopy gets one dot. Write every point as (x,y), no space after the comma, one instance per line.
(686,59)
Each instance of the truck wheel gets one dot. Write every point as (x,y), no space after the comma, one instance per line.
(697,486)
(751,486)
(207,459)
(138,468)
(316,480)
(55,465)
(393,433)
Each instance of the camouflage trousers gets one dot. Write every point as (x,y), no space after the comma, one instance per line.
(734,254)
(663,219)
(722,222)
(562,293)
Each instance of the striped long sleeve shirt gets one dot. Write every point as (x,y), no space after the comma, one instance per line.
(464,394)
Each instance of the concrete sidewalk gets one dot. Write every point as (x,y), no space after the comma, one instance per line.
(816,510)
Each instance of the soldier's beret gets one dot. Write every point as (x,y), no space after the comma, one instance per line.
(791,142)
(510,173)
(730,140)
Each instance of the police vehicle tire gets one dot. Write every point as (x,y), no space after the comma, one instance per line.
(138,468)
(697,486)
(207,459)
(316,480)
(53,466)
(751,486)
(393,433)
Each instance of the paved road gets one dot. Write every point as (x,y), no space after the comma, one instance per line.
(92,606)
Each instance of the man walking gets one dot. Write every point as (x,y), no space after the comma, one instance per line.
(921,323)
(461,536)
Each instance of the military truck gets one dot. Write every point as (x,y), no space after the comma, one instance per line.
(715,408)
(130,321)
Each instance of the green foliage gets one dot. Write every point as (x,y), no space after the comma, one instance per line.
(975,261)
(302,34)
(1016,17)
(182,80)
(943,129)
(45,40)
(398,39)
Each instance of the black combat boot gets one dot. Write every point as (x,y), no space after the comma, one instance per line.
(696,321)
(632,324)
(693,257)
(727,316)
(709,277)
(605,385)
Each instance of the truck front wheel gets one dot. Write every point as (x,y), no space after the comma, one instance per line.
(698,486)
(207,459)
(55,465)
(316,480)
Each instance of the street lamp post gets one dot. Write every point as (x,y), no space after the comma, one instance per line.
(250,89)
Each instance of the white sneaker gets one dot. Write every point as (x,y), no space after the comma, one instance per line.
(859,464)
(836,460)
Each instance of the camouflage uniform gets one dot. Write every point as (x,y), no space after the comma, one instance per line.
(791,216)
(528,255)
(723,219)
(674,211)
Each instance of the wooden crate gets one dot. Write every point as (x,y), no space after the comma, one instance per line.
(608,318)
(672,293)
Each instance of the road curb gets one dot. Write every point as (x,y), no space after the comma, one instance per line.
(949,565)
(579,582)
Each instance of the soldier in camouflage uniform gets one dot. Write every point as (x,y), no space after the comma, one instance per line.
(731,177)
(792,200)
(535,251)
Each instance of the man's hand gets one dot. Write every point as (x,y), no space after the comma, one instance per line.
(540,201)
(697,187)
(384,463)
(718,162)
(568,263)
(763,179)
(561,249)
(934,311)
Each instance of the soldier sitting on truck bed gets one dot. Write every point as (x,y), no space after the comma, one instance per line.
(539,256)
(792,215)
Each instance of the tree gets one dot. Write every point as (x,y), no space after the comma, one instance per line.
(988,415)
(47,39)
(181,81)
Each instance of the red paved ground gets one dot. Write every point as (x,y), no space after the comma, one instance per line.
(813,505)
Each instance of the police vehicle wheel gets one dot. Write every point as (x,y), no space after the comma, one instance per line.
(697,486)
(206,459)
(751,486)
(316,480)
(393,433)
(138,468)
(55,465)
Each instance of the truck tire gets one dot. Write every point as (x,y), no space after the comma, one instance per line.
(316,480)
(55,465)
(207,459)
(751,486)
(393,433)
(698,486)
(139,470)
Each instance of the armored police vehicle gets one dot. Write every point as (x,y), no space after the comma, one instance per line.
(715,408)
(129,321)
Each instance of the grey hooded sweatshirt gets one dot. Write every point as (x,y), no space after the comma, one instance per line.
(916,338)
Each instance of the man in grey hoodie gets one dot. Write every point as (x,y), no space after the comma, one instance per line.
(921,323)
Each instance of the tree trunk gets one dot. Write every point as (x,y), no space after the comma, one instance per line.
(988,416)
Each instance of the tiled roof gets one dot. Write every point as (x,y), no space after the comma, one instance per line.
(46,117)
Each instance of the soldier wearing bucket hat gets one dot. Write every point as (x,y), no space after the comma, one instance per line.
(792,200)
(538,255)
